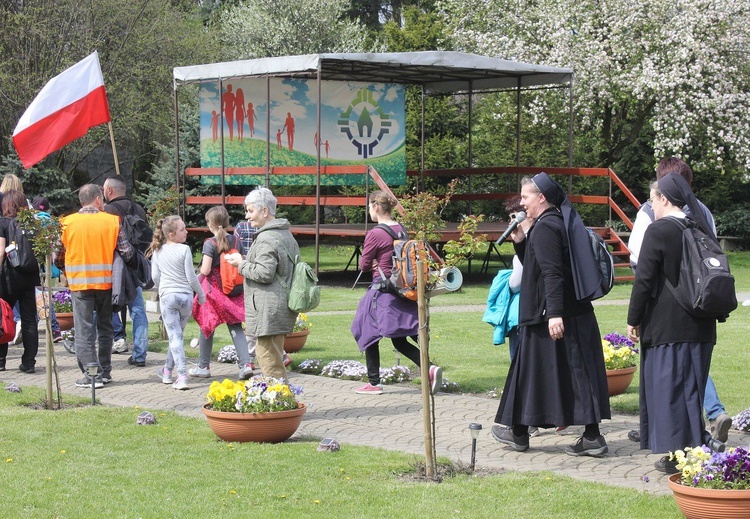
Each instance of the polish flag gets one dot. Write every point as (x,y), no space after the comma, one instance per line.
(65,109)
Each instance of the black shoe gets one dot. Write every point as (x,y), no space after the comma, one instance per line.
(666,465)
(26,369)
(2,365)
(634,436)
(716,446)
(137,363)
(505,435)
(106,378)
(584,447)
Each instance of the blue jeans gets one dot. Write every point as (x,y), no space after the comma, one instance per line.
(88,305)
(175,312)
(140,326)
(711,403)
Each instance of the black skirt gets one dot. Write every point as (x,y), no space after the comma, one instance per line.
(673,382)
(557,383)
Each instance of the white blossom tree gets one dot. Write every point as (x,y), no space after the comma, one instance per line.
(675,67)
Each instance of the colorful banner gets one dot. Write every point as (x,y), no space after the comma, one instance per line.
(361,123)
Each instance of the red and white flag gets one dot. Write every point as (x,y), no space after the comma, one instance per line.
(68,105)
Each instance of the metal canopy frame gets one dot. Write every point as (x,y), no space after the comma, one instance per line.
(437,72)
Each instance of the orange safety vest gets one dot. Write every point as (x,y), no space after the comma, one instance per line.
(90,240)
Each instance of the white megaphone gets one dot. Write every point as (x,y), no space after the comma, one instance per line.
(449,280)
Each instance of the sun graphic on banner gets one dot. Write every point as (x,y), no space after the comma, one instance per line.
(365,123)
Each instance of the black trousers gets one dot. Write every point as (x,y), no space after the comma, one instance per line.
(402,345)
(29,332)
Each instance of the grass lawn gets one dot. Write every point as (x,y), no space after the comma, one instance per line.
(88,461)
(96,462)
(462,344)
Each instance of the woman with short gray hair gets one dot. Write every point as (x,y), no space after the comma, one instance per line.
(262,198)
(268,264)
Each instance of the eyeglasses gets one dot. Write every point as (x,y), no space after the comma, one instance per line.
(653,198)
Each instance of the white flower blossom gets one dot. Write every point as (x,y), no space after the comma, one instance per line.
(678,65)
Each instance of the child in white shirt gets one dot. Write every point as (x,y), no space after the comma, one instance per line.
(172,271)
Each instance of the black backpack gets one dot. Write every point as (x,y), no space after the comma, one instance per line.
(138,232)
(604,261)
(136,229)
(21,253)
(705,287)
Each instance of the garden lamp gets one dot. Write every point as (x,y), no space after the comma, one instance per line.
(91,370)
(474,430)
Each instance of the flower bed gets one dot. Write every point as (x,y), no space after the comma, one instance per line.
(63,301)
(353,370)
(702,468)
(301,324)
(741,421)
(260,394)
(619,351)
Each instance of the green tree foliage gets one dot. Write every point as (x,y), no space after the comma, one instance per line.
(138,44)
(43,180)
(269,28)
(375,14)
(164,170)
(422,215)
(735,222)
(445,117)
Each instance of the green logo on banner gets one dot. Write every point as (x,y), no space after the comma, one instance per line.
(364,123)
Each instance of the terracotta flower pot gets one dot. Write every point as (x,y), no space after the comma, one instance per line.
(294,341)
(274,427)
(699,503)
(618,380)
(65,320)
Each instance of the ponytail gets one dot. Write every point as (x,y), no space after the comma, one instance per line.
(218,217)
(164,226)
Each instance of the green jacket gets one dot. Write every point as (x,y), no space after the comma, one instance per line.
(266,311)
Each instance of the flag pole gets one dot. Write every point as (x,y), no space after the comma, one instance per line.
(114,148)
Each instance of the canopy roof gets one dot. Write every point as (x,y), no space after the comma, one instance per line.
(436,71)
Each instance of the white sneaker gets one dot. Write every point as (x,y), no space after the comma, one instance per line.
(119,346)
(246,372)
(181,383)
(200,372)
(436,379)
(194,343)
(166,376)
(17,339)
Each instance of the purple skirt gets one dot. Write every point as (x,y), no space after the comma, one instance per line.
(380,315)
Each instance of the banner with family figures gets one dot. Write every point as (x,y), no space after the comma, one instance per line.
(361,123)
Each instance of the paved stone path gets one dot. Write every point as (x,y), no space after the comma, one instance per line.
(392,420)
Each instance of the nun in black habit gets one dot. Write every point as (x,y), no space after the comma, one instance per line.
(557,378)
(676,347)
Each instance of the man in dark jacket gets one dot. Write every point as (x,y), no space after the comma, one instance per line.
(120,205)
